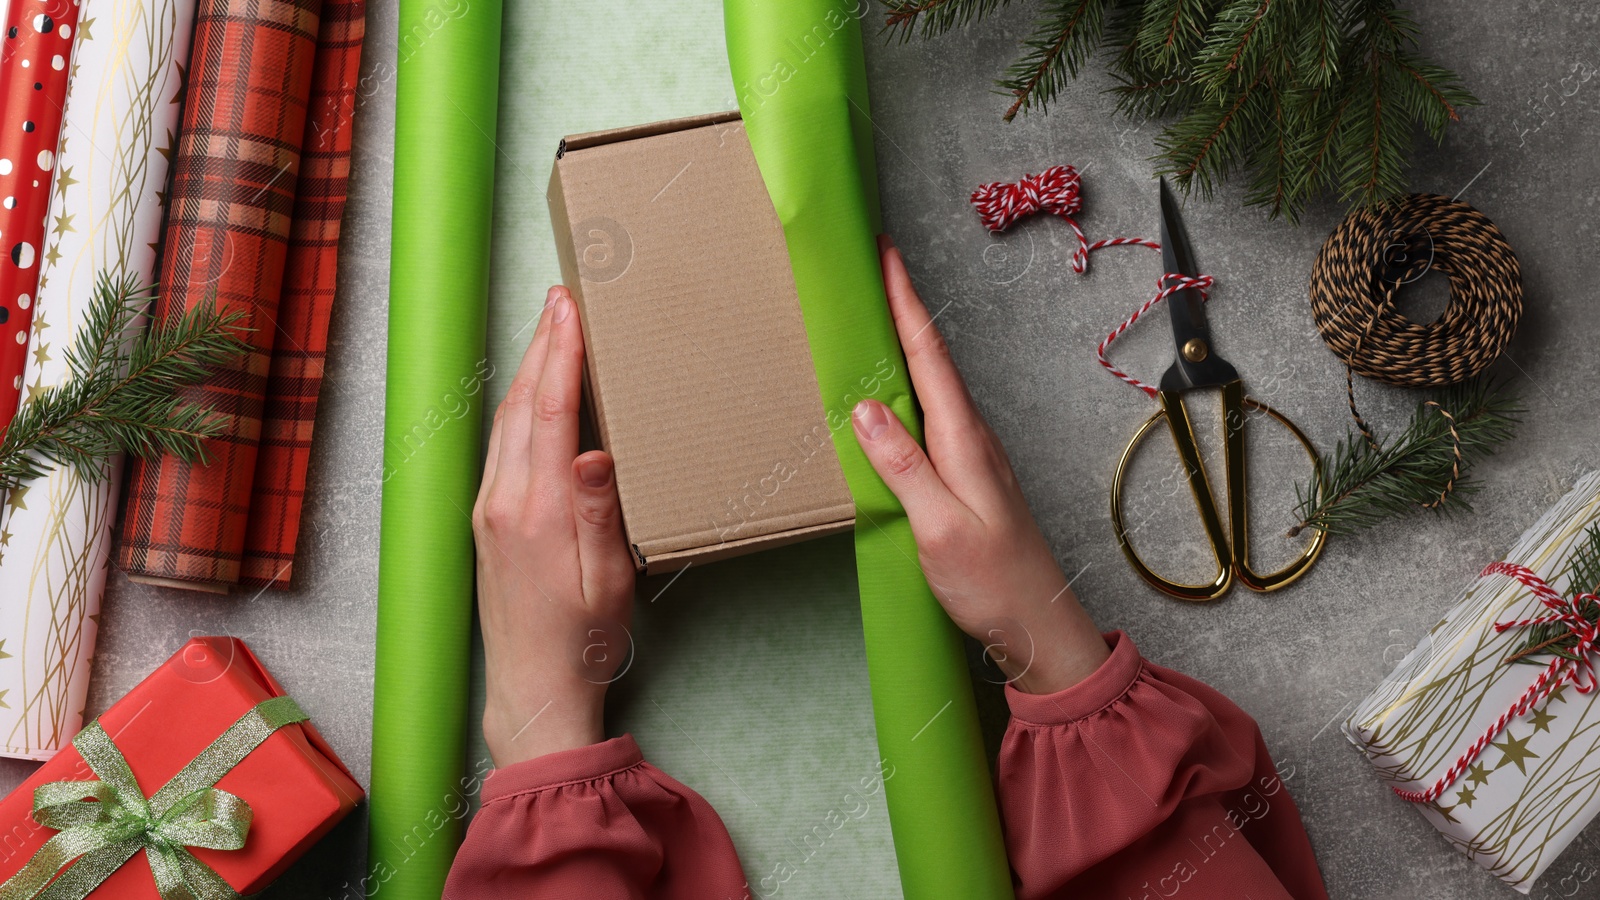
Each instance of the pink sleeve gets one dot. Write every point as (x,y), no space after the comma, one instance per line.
(596,821)
(1142,782)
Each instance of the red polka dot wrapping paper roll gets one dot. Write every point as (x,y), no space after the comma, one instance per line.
(227,237)
(35,64)
(310,277)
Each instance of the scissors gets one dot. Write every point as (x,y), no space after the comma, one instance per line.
(1198,366)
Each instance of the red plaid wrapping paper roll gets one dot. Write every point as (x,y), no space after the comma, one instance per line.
(34,67)
(227,236)
(310,276)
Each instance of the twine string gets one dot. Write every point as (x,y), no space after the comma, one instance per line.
(1058,190)
(1375,252)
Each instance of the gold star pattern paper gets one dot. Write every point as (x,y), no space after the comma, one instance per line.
(1477,774)
(1464,797)
(64,224)
(1514,750)
(64,178)
(41,354)
(183,85)
(1541,719)
(16,500)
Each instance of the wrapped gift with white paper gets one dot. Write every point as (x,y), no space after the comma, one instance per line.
(1503,758)
(55,532)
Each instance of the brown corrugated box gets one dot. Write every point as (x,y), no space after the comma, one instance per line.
(699,376)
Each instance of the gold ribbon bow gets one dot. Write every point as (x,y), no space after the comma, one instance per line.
(103,823)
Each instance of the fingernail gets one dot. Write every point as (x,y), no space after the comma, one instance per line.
(871,419)
(550,297)
(562,307)
(594,473)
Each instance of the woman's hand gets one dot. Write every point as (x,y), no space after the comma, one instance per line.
(555,582)
(982,552)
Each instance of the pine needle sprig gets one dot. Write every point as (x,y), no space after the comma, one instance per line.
(1582,582)
(1310,97)
(120,393)
(1362,485)
(1060,45)
(938,16)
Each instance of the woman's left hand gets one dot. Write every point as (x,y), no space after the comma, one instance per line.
(555,580)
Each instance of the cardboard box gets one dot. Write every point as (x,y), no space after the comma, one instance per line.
(699,376)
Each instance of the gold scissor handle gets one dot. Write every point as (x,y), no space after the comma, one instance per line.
(1231,550)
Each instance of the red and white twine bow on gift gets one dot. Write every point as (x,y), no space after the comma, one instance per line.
(1058,190)
(1578,672)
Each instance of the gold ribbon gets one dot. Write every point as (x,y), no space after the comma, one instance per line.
(103,823)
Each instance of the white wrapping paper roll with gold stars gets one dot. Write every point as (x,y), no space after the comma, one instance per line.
(1537,784)
(122,111)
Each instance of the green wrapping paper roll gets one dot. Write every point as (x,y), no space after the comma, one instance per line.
(447,87)
(801,81)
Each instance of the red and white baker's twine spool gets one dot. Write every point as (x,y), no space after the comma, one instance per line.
(1579,673)
(1059,190)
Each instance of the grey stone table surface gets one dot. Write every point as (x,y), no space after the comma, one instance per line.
(1023,327)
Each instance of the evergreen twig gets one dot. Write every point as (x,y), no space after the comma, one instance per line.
(1313,96)
(1582,582)
(1364,484)
(120,394)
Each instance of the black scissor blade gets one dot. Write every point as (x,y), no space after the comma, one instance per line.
(1187,308)
(1191,333)
(1177,255)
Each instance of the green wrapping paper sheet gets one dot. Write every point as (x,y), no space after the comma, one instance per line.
(447,81)
(801,83)
(749,678)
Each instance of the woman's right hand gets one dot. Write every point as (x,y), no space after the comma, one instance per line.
(555,579)
(980,548)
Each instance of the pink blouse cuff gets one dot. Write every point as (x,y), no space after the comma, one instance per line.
(1105,686)
(575,766)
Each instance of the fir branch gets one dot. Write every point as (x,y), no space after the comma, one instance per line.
(1060,45)
(1206,144)
(935,17)
(1317,46)
(1234,44)
(1273,160)
(120,394)
(1583,580)
(1170,31)
(1363,485)
(1310,96)
(1583,574)
(1324,114)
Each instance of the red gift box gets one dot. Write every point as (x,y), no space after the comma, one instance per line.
(295,785)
